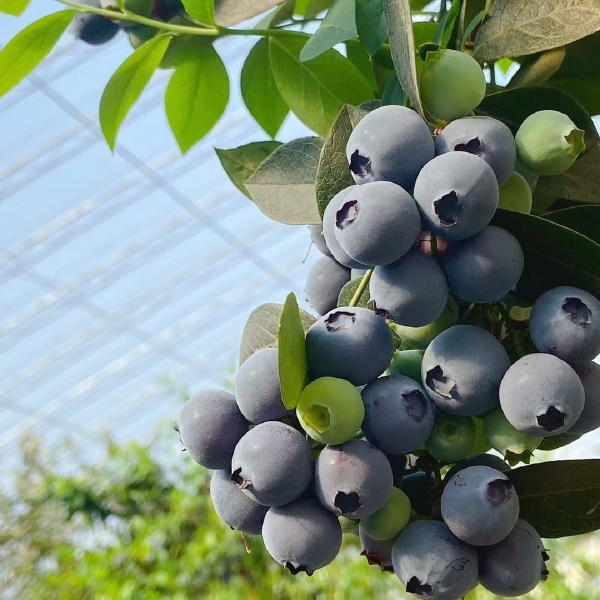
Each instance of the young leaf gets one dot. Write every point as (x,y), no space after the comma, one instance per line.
(559,498)
(333,174)
(317,90)
(29,47)
(554,255)
(126,85)
(293,369)
(15,8)
(202,11)
(262,328)
(239,163)
(348,291)
(370,22)
(402,45)
(583,219)
(521,27)
(338,26)
(259,91)
(447,26)
(283,186)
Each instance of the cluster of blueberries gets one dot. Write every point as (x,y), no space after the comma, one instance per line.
(363,449)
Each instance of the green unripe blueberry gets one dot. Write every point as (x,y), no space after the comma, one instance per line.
(452,84)
(390,519)
(514,445)
(548,142)
(407,363)
(420,337)
(515,194)
(330,410)
(452,438)
(482,444)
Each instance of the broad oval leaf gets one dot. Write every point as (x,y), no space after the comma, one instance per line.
(232,12)
(554,255)
(197,94)
(202,11)
(402,46)
(262,328)
(348,291)
(259,90)
(14,8)
(338,26)
(521,27)
(583,219)
(283,186)
(239,163)
(293,368)
(29,47)
(333,174)
(370,23)
(317,90)
(559,498)
(557,441)
(126,85)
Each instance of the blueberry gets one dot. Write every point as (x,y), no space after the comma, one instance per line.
(257,387)
(515,194)
(353,479)
(515,565)
(210,425)
(554,395)
(589,374)
(398,465)
(457,194)
(377,552)
(330,410)
(565,321)
(391,143)
(452,437)
(329,218)
(548,142)
(462,369)
(140,34)
(234,507)
(318,239)
(511,443)
(480,505)
(418,487)
(432,563)
(485,137)
(398,414)
(377,223)
(93,29)
(303,536)
(407,363)
(485,267)
(484,460)
(349,343)
(324,284)
(412,291)
(452,84)
(272,463)
(390,519)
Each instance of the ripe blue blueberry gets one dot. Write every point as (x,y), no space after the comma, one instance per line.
(318,239)
(479,460)
(93,29)
(377,552)
(324,284)
(589,374)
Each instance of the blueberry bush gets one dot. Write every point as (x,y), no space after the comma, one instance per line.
(452,185)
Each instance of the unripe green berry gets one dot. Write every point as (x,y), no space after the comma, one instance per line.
(452,84)
(515,194)
(390,519)
(548,142)
(482,444)
(407,363)
(452,438)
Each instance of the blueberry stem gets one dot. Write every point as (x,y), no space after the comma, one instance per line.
(434,247)
(361,288)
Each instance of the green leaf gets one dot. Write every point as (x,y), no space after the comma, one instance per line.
(232,12)
(338,26)
(126,85)
(317,90)
(15,8)
(475,22)
(262,329)
(424,32)
(538,69)
(333,174)
(313,7)
(370,22)
(521,27)
(393,93)
(417,6)
(557,441)
(448,25)
(554,255)
(202,11)
(293,368)
(348,291)
(280,13)
(402,46)
(197,95)
(260,93)
(559,498)
(29,47)
(283,186)
(239,163)
(358,56)
(583,219)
